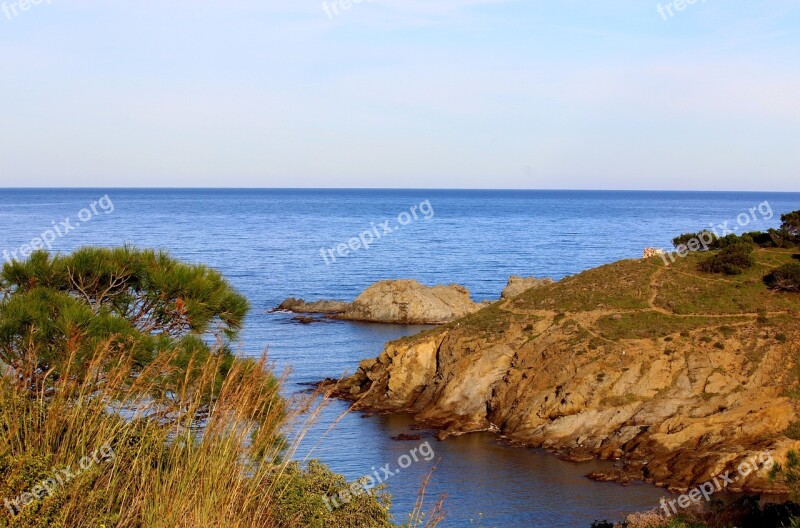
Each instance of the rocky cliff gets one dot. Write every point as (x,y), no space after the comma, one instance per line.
(678,374)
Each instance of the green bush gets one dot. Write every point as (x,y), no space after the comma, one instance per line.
(789,233)
(791,224)
(785,278)
(762,239)
(301,501)
(684,239)
(731,260)
(787,236)
(732,240)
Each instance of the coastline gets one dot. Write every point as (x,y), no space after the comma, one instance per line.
(467,376)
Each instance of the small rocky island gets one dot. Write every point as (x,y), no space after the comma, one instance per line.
(406,302)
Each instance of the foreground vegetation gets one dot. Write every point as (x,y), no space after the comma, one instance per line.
(121,404)
(743,512)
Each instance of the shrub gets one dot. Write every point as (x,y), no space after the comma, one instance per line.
(708,240)
(682,240)
(781,238)
(647,520)
(789,233)
(731,240)
(746,511)
(791,224)
(761,238)
(302,498)
(785,278)
(731,260)
(793,431)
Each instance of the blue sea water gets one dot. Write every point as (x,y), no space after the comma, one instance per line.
(270,244)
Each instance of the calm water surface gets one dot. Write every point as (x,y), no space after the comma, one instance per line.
(268,244)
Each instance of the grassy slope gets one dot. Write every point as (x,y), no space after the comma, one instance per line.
(640,299)
(645,298)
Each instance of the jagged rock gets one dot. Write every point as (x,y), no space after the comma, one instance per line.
(317,307)
(516,285)
(409,302)
(394,301)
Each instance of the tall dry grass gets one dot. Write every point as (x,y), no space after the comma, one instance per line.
(178,461)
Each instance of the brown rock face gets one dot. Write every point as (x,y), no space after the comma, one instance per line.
(409,302)
(396,302)
(316,307)
(679,397)
(517,285)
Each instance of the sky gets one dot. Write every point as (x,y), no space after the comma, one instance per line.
(516,94)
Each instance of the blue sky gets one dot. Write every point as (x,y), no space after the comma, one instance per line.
(401,93)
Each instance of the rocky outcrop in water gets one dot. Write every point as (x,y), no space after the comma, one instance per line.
(397,302)
(316,307)
(409,302)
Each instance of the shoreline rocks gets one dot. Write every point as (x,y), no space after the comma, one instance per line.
(406,302)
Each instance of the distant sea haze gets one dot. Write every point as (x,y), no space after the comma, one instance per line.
(267,242)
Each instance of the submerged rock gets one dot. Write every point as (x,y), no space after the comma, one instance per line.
(403,437)
(305,319)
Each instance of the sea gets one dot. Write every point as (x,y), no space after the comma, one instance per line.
(332,244)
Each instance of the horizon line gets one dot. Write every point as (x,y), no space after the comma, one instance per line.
(500,189)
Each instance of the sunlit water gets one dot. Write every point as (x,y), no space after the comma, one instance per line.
(268,244)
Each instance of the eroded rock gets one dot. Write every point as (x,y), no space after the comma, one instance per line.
(517,285)
(316,307)
(395,301)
